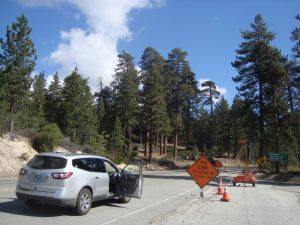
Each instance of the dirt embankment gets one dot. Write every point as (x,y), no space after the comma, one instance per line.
(14,155)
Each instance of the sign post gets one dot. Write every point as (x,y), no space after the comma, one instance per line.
(202,171)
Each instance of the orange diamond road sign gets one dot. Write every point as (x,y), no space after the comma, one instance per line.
(202,171)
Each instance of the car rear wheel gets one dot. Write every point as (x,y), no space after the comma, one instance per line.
(84,202)
(124,199)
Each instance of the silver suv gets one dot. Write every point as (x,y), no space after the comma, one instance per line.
(77,180)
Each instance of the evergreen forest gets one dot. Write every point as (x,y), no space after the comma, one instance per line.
(161,107)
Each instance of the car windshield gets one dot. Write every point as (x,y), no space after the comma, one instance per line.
(47,162)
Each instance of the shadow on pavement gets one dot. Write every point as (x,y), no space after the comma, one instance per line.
(17,207)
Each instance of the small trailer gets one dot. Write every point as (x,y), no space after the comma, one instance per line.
(247,177)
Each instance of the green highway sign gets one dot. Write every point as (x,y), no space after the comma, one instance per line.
(278,156)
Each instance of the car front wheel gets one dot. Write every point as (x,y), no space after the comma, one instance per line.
(124,199)
(84,202)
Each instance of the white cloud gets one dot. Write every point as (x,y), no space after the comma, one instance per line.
(94,49)
(222,90)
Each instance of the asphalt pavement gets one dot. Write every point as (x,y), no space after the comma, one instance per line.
(169,197)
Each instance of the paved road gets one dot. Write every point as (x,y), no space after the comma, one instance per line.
(169,197)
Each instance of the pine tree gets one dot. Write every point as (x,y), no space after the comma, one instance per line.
(238,116)
(154,115)
(38,119)
(54,110)
(116,141)
(126,94)
(296,38)
(17,61)
(250,63)
(181,91)
(223,126)
(201,130)
(209,94)
(79,113)
(191,96)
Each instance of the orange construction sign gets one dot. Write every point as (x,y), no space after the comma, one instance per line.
(202,171)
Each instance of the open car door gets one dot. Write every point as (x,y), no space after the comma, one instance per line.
(131,180)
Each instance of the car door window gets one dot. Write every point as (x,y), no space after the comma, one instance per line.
(132,169)
(131,180)
(109,167)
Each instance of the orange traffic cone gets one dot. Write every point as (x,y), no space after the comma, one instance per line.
(226,197)
(220,189)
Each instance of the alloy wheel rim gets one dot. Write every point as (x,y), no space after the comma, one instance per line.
(85,202)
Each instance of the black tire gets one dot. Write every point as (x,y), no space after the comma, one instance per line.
(84,202)
(253,184)
(233,183)
(124,199)
(31,203)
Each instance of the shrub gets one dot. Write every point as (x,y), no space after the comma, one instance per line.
(48,138)
(263,162)
(24,157)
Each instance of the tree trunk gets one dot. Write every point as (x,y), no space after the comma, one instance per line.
(261,123)
(235,149)
(146,144)
(175,145)
(161,143)
(150,148)
(12,122)
(165,145)
(129,139)
(188,132)
(276,142)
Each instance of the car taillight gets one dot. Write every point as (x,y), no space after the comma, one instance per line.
(22,172)
(64,175)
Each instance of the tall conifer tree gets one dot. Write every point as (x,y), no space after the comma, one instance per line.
(17,61)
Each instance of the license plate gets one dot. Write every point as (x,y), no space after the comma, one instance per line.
(38,178)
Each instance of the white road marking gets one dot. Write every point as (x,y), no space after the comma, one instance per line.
(150,206)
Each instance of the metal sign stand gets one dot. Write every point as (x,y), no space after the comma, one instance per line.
(201,193)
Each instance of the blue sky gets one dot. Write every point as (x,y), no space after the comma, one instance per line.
(90,34)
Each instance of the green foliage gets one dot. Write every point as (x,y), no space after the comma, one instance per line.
(181,93)
(191,152)
(17,61)
(50,137)
(37,118)
(223,127)
(296,38)
(116,141)
(126,89)
(209,94)
(153,111)
(79,114)
(53,102)
(262,79)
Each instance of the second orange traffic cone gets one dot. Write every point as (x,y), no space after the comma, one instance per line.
(220,189)
(226,197)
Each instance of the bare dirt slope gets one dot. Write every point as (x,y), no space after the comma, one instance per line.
(14,155)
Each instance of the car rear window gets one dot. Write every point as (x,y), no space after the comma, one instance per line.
(47,162)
